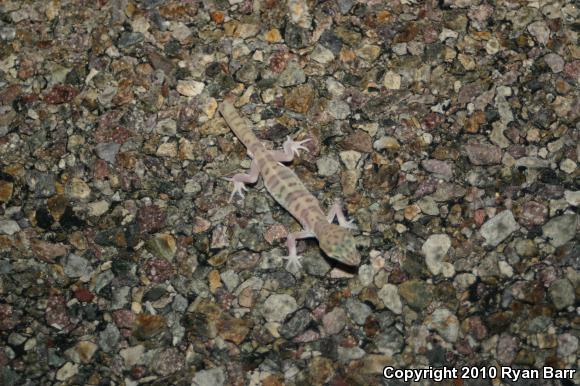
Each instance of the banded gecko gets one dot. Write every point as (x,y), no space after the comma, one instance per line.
(287,189)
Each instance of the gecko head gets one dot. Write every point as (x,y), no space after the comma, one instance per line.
(339,244)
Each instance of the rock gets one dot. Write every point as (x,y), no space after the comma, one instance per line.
(392,81)
(68,370)
(234,329)
(540,31)
(273,35)
(77,189)
(278,306)
(386,142)
(532,214)
(526,248)
(440,168)
(189,88)
(568,166)
(109,337)
(167,149)
(98,208)
(389,295)
(42,184)
(292,75)
(76,266)
(555,62)
(560,230)
(572,197)
(6,189)
(297,324)
(562,294)
(507,348)
(322,54)
(338,109)
(300,98)
(82,352)
(369,52)
(445,323)
(169,361)
(481,154)
(334,321)
(107,151)
(327,166)
(435,249)
(128,39)
(211,377)
(417,293)
(357,311)
(497,229)
(8,227)
(350,158)
(133,355)
(567,345)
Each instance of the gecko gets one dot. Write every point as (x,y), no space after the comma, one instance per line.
(288,190)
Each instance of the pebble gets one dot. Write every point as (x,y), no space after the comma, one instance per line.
(322,54)
(416,293)
(327,166)
(77,189)
(388,143)
(445,323)
(498,228)
(357,311)
(190,88)
(67,371)
(555,62)
(392,81)
(572,197)
(8,227)
(481,154)
(338,109)
(561,229)
(211,377)
(567,345)
(568,166)
(540,31)
(132,355)
(507,348)
(562,294)
(435,249)
(334,321)
(278,306)
(292,75)
(76,266)
(107,151)
(389,295)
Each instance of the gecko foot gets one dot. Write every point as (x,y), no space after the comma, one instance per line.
(239,188)
(296,145)
(293,263)
(350,225)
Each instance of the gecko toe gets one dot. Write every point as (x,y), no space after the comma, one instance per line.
(293,263)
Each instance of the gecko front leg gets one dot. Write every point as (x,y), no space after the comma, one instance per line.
(291,148)
(241,179)
(336,211)
(293,258)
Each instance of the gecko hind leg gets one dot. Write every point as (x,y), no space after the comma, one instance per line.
(291,148)
(293,263)
(336,211)
(241,179)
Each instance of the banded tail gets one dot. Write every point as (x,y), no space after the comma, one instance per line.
(238,124)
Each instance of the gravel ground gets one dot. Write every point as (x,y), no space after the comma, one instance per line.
(449,129)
